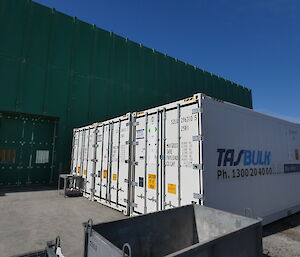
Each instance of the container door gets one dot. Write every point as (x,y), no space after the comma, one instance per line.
(74,153)
(140,190)
(123,165)
(99,161)
(80,152)
(105,164)
(86,135)
(181,167)
(147,172)
(90,162)
(115,144)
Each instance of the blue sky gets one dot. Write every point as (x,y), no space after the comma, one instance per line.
(254,43)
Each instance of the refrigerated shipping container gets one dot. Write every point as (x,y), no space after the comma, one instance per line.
(102,151)
(205,151)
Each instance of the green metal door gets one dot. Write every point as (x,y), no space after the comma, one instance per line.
(26,149)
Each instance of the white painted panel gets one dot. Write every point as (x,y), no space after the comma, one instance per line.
(105,165)
(42,156)
(80,152)
(99,162)
(74,152)
(111,183)
(123,171)
(140,178)
(86,136)
(148,179)
(89,171)
(245,161)
(182,181)
(114,157)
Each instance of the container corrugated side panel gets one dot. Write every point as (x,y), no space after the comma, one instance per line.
(246,161)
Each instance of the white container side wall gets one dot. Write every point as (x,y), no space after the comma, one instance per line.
(251,162)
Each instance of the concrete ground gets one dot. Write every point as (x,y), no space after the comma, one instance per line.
(29,218)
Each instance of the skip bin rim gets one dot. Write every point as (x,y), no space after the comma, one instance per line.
(253,224)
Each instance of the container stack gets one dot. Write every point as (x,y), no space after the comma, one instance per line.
(198,150)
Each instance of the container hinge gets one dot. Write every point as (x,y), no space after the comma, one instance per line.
(94,160)
(162,157)
(197,110)
(134,205)
(135,143)
(198,196)
(126,180)
(198,166)
(132,162)
(129,123)
(131,204)
(95,145)
(133,183)
(136,123)
(198,138)
(93,174)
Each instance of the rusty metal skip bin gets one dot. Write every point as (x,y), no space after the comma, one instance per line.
(190,230)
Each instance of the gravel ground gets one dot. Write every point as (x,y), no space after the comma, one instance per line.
(282,238)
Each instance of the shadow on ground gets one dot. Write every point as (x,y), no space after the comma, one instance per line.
(281,225)
(20,189)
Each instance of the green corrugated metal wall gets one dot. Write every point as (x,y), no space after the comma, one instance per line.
(56,65)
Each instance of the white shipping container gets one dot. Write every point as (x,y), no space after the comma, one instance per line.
(201,150)
(196,150)
(113,162)
(157,153)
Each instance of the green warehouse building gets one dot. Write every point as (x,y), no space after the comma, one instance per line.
(58,72)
